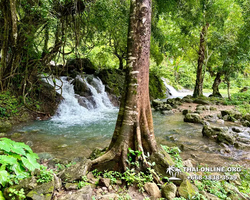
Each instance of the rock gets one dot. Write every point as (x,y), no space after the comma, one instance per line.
(202,101)
(109,196)
(153,190)
(104,182)
(231,115)
(169,191)
(91,178)
(247,117)
(79,65)
(236,129)
(5,126)
(57,182)
(167,112)
(42,192)
(165,107)
(209,196)
(225,137)
(26,184)
(96,153)
(187,100)
(246,123)
(211,131)
(81,88)
(187,163)
(157,104)
(3,134)
(163,161)
(220,134)
(213,108)
(236,194)
(192,118)
(237,181)
(187,190)
(186,111)
(75,172)
(83,194)
(45,156)
(199,107)
(71,186)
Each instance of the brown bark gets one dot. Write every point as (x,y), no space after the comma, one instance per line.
(198,90)
(228,90)
(217,81)
(134,126)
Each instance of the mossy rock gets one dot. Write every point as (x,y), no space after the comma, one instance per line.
(157,89)
(169,191)
(187,190)
(5,126)
(192,118)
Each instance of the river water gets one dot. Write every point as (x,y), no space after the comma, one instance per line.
(76,131)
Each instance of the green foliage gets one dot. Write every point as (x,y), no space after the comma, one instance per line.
(112,175)
(9,105)
(212,187)
(132,177)
(83,183)
(17,161)
(241,100)
(20,194)
(174,152)
(45,175)
(245,180)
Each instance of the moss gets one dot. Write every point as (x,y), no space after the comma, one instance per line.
(157,88)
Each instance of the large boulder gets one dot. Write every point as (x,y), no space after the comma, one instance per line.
(75,172)
(187,190)
(202,101)
(192,118)
(5,126)
(42,192)
(232,115)
(221,135)
(153,190)
(83,194)
(157,104)
(81,88)
(247,117)
(73,66)
(169,191)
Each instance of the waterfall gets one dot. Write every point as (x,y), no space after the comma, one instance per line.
(71,112)
(174,93)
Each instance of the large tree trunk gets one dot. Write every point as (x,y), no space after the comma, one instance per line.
(198,90)
(216,84)
(134,126)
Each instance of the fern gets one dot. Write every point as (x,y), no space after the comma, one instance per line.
(17,161)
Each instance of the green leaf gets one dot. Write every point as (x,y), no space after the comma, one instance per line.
(8,160)
(1,196)
(4,177)
(30,162)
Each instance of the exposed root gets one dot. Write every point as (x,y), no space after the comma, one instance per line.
(108,156)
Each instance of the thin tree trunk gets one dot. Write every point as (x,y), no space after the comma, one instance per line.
(216,84)
(198,90)
(228,90)
(4,48)
(134,126)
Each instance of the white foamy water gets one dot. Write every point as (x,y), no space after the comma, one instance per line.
(70,112)
(174,93)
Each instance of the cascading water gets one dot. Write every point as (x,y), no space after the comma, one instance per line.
(173,92)
(70,112)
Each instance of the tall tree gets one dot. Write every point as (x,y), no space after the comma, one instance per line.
(134,126)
